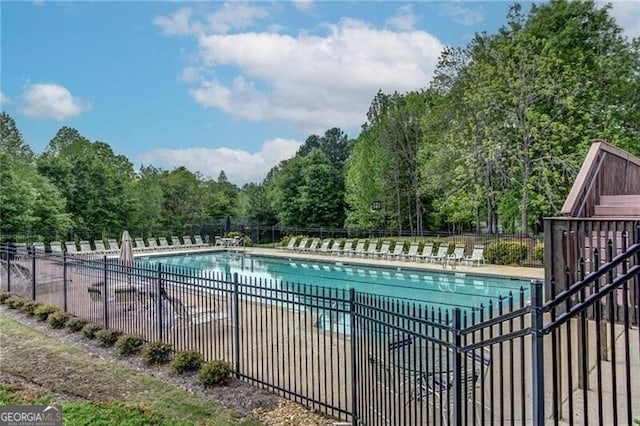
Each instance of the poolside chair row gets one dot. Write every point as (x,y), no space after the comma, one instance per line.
(99,247)
(361,249)
(162,244)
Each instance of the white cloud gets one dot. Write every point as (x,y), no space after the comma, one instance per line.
(178,24)
(4,99)
(189,75)
(313,81)
(239,166)
(404,20)
(51,101)
(230,16)
(303,5)
(627,14)
(462,15)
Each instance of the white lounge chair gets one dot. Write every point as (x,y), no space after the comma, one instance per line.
(384,250)
(477,255)
(427,253)
(292,243)
(397,250)
(441,255)
(412,253)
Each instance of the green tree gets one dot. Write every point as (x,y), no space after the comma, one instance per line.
(11,140)
(97,184)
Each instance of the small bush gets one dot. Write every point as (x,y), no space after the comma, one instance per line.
(157,353)
(107,337)
(505,253)
(129,344)
(76,324)
(89,331)
(42,312)
(186,361)
(29,307)
(15,302)
(4,296)
(215,373)
(538,253)
(57,319)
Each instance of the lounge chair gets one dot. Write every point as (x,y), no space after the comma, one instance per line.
(358,249)
(427,253)
(100,247)
(342,249)
(315,243)
(175,242)
(384,250)
(152,244)
(163,244)
(56,247)
(85,246)
(456,257)
(336,248)
(324,247)
(477,256)
(291,244)
(113,246)
(140,245)
(397,251)
(218,239)
(38,247)
(302,245)
(372,249)
(198,242)
(412,253)
(441,255)
(71,247)
(186,241)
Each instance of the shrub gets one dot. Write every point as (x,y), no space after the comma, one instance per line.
(42,312)
(156,353)
(29,307)
(129,344)
(57,319)
(505,253)
(4,296)
(215,373)
(538,253)
(15,302)
(76,324)
(107,337)
(186,361)
(89,331)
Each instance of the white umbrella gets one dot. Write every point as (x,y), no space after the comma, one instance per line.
(126,250)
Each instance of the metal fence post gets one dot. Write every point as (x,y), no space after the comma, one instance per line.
(236,324)
(159,303)
(354,364)
(64,281)
(537,353)
(457,368)
(105,307)
(8,269)
(33,273)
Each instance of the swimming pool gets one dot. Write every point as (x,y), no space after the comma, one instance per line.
(439,289)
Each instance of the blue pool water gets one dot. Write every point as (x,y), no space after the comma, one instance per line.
(438,289)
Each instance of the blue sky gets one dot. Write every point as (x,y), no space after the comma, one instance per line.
(223,86)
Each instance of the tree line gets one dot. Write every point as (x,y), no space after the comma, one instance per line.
(493,142)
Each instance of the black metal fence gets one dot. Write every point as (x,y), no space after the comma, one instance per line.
(374,360)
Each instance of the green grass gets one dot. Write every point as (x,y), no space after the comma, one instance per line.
(115,395)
